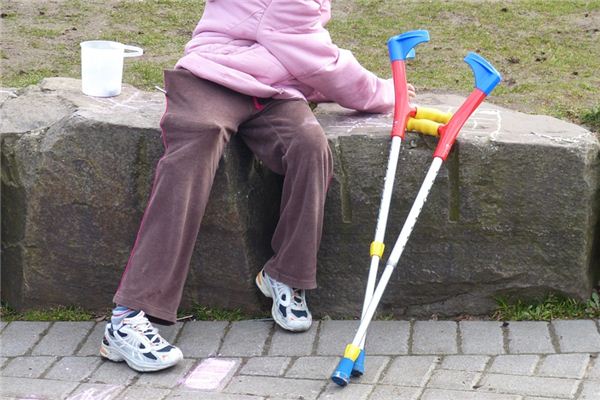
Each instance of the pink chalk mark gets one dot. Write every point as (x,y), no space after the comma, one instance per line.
(209,374)
(95,394)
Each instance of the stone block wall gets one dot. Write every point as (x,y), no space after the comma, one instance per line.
(514,211)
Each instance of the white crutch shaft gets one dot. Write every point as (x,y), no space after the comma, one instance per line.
(384,210)
(398,248)
(415,210)
(369,291)
(388,187)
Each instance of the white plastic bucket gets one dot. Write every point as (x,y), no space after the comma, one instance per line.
(102,66)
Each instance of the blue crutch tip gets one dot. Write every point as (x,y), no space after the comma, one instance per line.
(341,375)
(359,365)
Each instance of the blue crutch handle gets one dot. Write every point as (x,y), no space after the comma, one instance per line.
(486,76)
(401,46)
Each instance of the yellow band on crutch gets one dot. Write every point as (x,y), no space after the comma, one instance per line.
(377,249)
(433,115)
(423,126)
(352,352)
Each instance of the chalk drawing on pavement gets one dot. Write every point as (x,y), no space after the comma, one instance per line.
(210,374)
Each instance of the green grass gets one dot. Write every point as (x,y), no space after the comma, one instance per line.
(592,119)
(60,313)
(549,308)
(203,313)
(544,49)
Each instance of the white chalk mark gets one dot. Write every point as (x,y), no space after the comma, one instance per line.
(10,93)
(95,394)
(557,139)
(110,104)
(209,374)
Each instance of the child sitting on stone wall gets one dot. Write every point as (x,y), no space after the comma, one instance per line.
(249,70)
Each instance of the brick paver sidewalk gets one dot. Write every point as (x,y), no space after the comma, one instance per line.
(252,360)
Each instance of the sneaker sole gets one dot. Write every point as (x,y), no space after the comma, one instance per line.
(115,355)
(265,288)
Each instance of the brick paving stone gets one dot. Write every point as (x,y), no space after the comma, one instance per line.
(246,339)
(374,366)
(28,367)
(28,388)
(434,337)
(94,391)
(453,380)
(268,366)
(594,370)
(3,360)
(579,336)
(284,343)
(442,394)
(201,338)
(481,337)
(514,364)
(169,332)
(410,370)
(350,392)
(564,365)
(276,387)
(91,346)
(538,398)
(529,337)
(167,378)
(144,393)
(388,392)
(529,385)
(3,325)
(334,337)
(62,339)
(73,368)
(590,391)
(117,373)
(197,395)
(20,336)
(313,367)
(210,374)
(388,338)
(465,363)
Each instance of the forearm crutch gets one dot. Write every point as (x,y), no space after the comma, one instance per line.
(486,79)
(402,46)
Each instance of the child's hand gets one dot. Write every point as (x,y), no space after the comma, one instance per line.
(412,92)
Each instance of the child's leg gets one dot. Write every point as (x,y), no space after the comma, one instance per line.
(286,136)
(200,118)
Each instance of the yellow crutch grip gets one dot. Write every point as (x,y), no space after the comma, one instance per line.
(377,249)
(424,126)
(433,115)
(352,352)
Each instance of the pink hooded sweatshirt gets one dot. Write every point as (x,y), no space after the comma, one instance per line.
(280,49)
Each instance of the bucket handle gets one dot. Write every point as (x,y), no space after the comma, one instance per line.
(132,51)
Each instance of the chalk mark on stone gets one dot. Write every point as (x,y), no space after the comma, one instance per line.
(575,140)
(209,374)
(130,103)
(95,394)
(484,120)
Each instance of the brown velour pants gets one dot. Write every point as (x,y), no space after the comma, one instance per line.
(199,120)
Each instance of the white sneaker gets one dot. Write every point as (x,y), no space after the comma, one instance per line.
(138,343)
(289,305)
